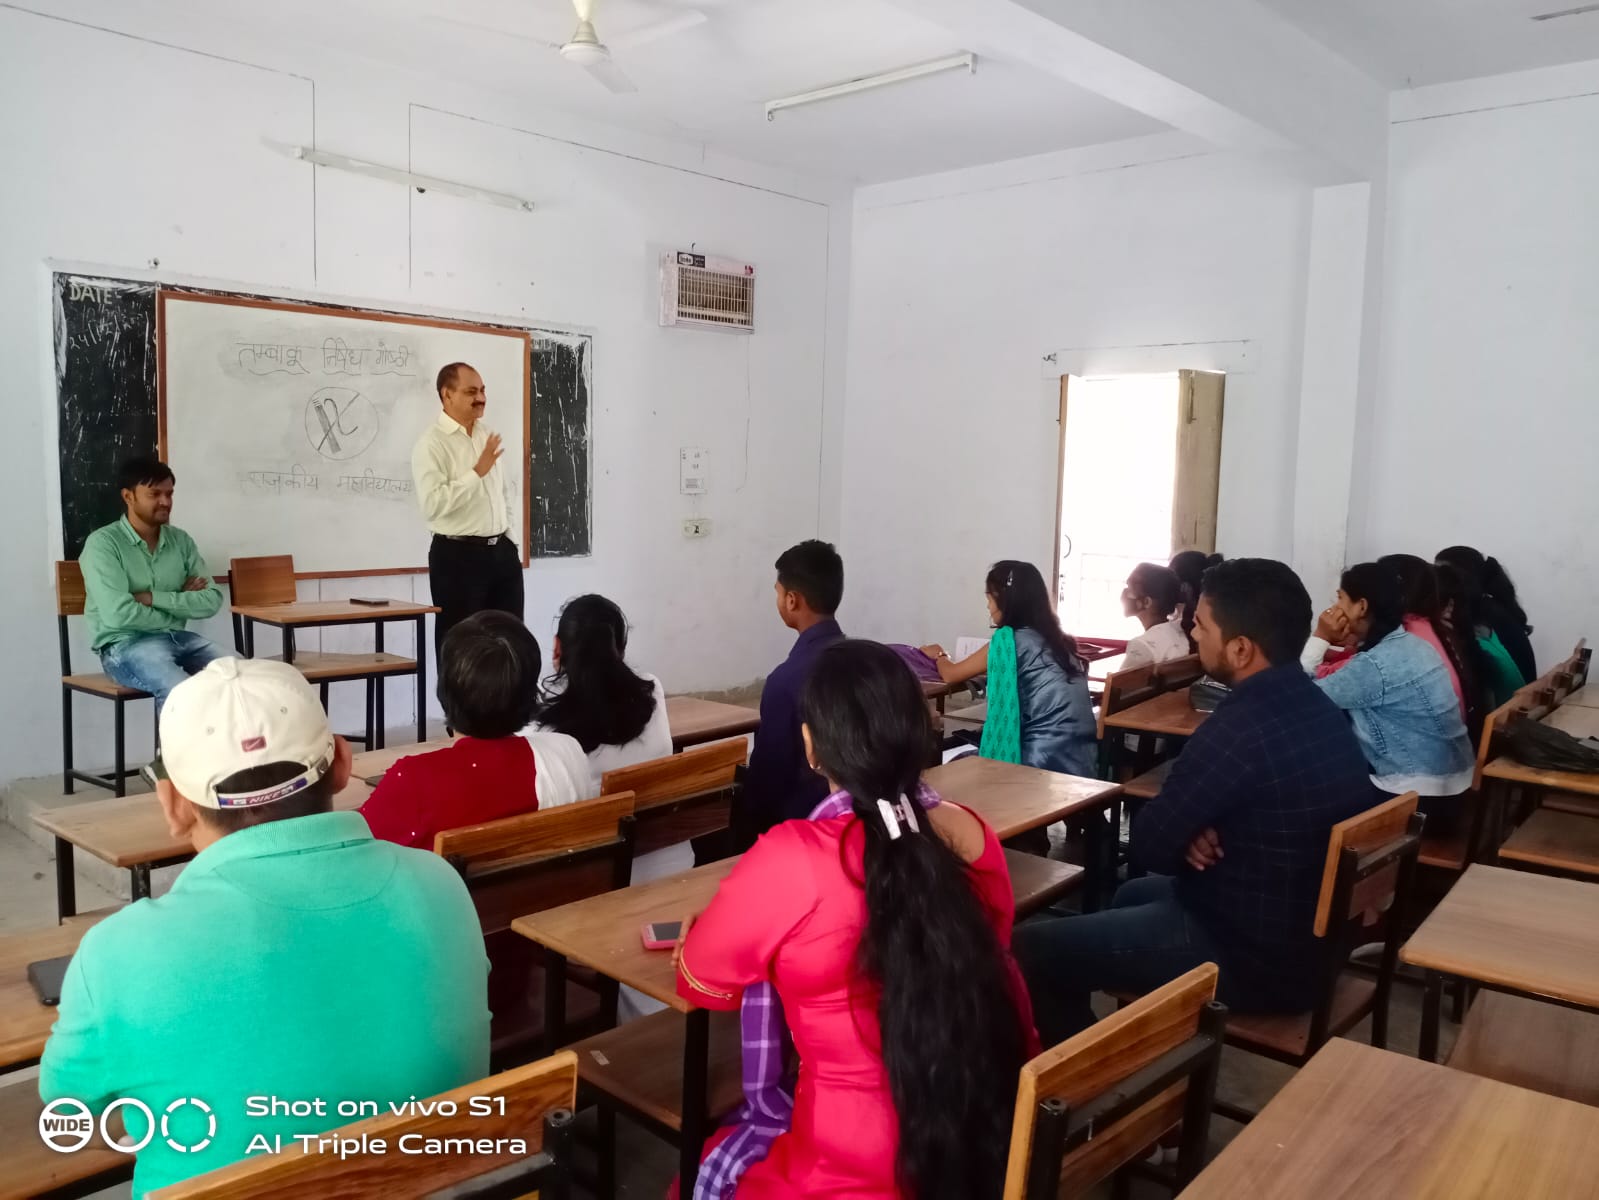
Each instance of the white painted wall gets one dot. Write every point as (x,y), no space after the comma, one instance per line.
(1486,424)
(122,151)
(961,284)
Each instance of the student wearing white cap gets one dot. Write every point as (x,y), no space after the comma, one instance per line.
(296,957)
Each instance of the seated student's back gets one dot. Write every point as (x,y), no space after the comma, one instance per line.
(617,716)
(295,957)
(780,784)
(488,681)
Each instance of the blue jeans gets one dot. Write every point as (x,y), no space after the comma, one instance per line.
(1143,940)
(158,662)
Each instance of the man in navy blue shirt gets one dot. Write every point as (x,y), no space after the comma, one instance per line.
(780,783)
(1238,835)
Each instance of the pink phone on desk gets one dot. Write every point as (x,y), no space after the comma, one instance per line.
(661,935)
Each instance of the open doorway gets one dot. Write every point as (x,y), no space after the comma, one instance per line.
(1140,461)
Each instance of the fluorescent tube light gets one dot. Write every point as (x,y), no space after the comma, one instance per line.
(422,183)
(954,62)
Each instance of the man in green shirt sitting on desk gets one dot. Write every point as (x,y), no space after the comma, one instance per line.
(145,581)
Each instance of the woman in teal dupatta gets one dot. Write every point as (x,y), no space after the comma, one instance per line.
(1039,711)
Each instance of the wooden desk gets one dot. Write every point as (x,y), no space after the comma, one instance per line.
(1168,715)
(131,832)
(1545,1047)
(1505,769)
(1528,935)
(694,721)
(1357,1122)
(1014,800)
(1575,719)
(24,1022)
(1585,697)
(30,1168)
(314,614)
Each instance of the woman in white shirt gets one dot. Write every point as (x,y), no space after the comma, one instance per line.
(617,716)
(1153,594)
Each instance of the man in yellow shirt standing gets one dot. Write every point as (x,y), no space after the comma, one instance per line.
(472,564)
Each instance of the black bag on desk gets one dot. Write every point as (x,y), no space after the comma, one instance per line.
(1544,748)
(1205,694)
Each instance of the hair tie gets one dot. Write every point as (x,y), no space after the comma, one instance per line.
(907,810)
(890,820)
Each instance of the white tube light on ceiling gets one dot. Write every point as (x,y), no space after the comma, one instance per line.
(422,183)
(955,62)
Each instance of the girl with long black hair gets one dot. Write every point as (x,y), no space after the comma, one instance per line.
(1039,710)
(1190,567)
(882,924)
(1397,693)
(1425,618)
(1497,605)
(1498,676)
(616,715)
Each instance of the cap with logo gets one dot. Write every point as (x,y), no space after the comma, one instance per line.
(240,713)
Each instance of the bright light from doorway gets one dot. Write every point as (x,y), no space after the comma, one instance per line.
(1118,479)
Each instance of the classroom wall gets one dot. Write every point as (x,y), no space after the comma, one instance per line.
(1486,420)
(960,287)
(129,155)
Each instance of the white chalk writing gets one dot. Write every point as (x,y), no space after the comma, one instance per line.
(369,483)
(265,359)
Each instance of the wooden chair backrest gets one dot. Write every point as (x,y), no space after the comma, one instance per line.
(1177,672)
(70,593)
(540,860)
(268,579)
(1087,1066)
(678,776)
(1123,689)
(1494,726)
(1366,831)
(540,1092)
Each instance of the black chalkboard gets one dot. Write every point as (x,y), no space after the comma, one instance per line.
(106,396)
(105,390)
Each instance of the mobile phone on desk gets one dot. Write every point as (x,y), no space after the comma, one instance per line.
(370,601)
(662,935)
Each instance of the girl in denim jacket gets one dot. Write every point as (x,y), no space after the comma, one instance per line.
(1397,692)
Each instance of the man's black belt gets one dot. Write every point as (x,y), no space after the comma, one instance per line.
(474,541)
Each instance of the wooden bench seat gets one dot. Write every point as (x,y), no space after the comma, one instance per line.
(1584,806)
(1038,882)
(1449,852)
(1289,1035)
(320,665)
(639,1066)
(1559,842)
(1147,786)
(102,685)
(1544,1047)
(28,1167)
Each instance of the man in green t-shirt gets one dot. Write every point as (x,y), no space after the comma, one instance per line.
(296,964)
(144,581)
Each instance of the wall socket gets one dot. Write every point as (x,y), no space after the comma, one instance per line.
(696,527)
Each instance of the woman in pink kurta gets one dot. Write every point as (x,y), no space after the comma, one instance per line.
(890,918)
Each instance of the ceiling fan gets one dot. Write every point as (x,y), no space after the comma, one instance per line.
(585,48)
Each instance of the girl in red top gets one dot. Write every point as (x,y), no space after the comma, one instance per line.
(488,684)
(885,931)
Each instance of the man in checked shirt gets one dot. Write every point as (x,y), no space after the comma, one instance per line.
(1237,838)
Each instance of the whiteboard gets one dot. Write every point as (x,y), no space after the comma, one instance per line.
(290,427)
